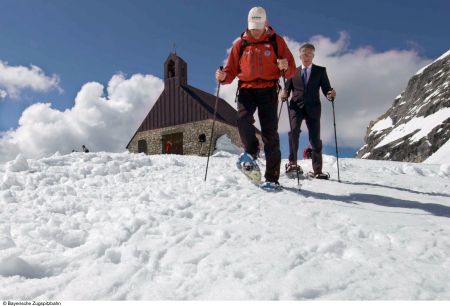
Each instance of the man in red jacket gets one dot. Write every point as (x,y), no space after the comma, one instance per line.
(258,59)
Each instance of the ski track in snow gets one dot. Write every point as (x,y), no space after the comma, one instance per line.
(129,226)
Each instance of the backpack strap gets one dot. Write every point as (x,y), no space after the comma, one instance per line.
(244,44)
(273,41)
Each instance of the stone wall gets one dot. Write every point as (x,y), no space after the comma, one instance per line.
(190,131)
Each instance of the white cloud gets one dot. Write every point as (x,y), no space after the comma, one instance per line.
(3,94)
(14,79)
(366,83)
(101,122)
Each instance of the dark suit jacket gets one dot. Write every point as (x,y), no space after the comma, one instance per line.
(309,98)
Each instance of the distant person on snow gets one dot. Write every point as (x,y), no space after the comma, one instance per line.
(307,153)
(85,150)
(258,59)
(305,104)
(168,146)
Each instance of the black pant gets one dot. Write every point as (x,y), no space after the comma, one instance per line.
(296,116)
(266,100)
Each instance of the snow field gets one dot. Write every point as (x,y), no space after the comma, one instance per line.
(129,226)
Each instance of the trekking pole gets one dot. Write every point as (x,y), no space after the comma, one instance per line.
(282,102)
(335,136)
(290,124)
(212,128)
(281,107)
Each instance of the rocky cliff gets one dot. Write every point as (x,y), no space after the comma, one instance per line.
(418,123)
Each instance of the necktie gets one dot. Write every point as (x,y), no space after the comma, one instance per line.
(305,76)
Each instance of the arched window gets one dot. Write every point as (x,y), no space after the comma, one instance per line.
(202,138)
(142,146)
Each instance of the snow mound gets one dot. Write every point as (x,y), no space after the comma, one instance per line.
(17,165)
(444,170)
(224,144)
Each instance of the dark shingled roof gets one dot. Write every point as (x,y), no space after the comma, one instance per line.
(186,104)
(181,103)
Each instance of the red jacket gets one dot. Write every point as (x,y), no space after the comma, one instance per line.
(258,62)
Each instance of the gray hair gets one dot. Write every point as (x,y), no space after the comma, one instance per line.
(307,46)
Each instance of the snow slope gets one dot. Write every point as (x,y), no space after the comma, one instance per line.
(426,124)
(129,226)
(443,154)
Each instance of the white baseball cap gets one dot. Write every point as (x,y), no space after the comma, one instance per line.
(257,18)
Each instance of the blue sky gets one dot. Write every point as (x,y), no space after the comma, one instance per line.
(82,41)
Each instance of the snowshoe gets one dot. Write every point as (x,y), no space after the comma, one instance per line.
(292,169)
(319,176)
(271,186)
(247,164)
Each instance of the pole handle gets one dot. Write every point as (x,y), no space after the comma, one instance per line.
(332,98)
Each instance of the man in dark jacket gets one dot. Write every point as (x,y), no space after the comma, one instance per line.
(259,66)
(305,104)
